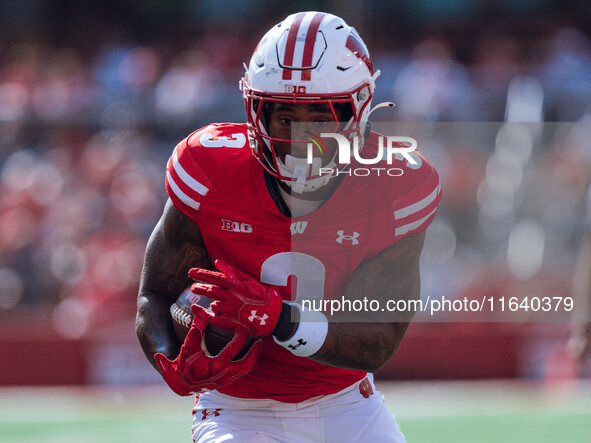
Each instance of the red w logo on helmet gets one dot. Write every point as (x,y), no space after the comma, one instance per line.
(356,46)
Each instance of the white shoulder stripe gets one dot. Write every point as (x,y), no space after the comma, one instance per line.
(411,226)
(416,207)
(186,178)
(180,194)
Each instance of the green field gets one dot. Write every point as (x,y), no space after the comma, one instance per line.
(426,411)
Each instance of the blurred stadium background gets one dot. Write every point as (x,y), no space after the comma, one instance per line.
(94,96)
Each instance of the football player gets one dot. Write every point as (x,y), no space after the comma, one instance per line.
(252,218)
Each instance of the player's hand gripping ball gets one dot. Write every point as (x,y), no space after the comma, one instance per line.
(215,338)
(241,300)
(194,371)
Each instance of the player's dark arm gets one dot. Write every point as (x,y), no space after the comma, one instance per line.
(174,247)
(393,274)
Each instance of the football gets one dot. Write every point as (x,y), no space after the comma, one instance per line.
(215,338)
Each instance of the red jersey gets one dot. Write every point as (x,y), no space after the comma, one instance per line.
(214,180)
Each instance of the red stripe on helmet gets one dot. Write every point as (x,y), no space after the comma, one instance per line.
(290,45)
(310,43)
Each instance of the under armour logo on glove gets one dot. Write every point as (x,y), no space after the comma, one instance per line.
(238,299)
(351,238)
(301,342)
(261,320)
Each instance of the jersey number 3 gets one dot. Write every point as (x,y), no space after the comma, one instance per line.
(209,141)
(308,271)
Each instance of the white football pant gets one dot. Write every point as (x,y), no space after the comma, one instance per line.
(356,414)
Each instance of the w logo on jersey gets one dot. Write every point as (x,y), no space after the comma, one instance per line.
(298,227)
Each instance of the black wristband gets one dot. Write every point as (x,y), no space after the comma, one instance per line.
(284,327)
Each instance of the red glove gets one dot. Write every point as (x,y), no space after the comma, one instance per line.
(242,301)
(195,372)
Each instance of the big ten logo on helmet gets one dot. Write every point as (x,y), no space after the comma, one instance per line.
(295,89)
(229,225)
(388,148)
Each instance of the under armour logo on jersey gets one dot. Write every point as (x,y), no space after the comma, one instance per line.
(261,320)
(298,227)
(209,413)
(351,238)
(301,342)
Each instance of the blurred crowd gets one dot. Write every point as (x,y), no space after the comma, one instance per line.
(85,135)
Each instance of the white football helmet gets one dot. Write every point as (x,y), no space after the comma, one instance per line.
(310,57)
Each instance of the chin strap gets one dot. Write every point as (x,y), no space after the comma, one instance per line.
(274,191)
(300,170)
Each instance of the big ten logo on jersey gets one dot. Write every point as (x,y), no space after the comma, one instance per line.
(298,227)
(229,225)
